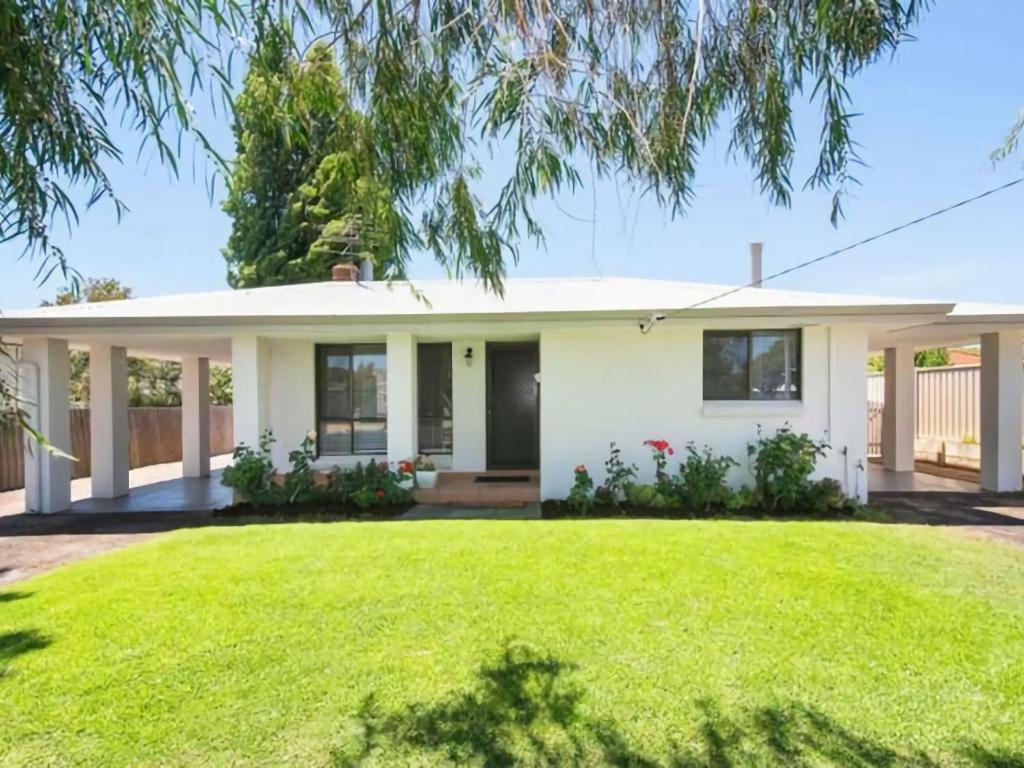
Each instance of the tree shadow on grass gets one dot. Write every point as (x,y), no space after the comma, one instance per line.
(15,644)
(522,710)
(525,709)
(10,597)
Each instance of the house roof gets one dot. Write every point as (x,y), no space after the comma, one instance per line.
(338,300)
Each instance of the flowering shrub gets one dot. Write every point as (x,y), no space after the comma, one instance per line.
(370,485)
(581,496)
(365,486)
(661,451)
(251,473)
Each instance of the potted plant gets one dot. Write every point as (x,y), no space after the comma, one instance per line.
(426,472)
(406,474)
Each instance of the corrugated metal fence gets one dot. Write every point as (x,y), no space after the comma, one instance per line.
(154,434)
(948,405)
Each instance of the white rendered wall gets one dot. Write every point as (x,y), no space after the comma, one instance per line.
(292,395)
(250,384)
(600,385)
(401,396)
(469,406)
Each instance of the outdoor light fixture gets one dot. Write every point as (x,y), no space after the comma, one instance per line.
(468,357)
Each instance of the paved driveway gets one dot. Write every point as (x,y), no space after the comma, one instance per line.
(987,515)
(31,544)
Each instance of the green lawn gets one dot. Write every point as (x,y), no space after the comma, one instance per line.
(539,643)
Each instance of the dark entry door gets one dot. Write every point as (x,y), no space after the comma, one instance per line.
(513,396)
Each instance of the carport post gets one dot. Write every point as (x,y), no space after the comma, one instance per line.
(898,416)
(50,412)
(108,420)
(1002,384)
(195,416)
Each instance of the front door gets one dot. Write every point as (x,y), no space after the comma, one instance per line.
(513,397)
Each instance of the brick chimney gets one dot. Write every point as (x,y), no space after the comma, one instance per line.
(346,272)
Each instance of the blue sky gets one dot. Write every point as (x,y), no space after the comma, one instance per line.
(930,119)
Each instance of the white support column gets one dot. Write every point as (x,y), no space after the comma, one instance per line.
(898,418)
(1002,384)
(195,416)
(250,382)
(48,476)
(108,420)
(402,424)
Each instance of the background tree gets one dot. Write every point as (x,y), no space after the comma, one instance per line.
(150,382)
(308,187)
(923,358)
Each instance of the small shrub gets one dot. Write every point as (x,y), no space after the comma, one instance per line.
(424,463)
(640,494)
(782,468)
(581,495)
(299,486)
(702,480)
(825,498)
(251,473)
(617,477)
(370,486)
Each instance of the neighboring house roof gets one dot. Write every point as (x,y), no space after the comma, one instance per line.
(964,356)
(437,298)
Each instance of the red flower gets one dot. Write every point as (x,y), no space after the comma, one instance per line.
(661,446)
(405,467)
(380,493)
(581,469)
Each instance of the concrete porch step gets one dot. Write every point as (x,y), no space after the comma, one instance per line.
(460,488)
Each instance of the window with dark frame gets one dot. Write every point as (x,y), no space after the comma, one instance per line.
(752,365)
(434,398)
(352,399)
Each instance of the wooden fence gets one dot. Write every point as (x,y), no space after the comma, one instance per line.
(154,435)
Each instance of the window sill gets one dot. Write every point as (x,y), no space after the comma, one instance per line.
(747,408)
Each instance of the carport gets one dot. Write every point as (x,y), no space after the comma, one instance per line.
(999,330)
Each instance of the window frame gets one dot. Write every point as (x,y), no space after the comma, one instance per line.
(749,335)
(351,350)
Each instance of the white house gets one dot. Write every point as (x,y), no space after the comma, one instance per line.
(540,379)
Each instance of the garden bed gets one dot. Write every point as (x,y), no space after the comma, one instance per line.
(563,510)
(313,510)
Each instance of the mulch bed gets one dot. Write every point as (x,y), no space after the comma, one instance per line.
(559,510)
(319,511)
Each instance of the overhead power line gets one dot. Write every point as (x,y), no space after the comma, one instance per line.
(858,244)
